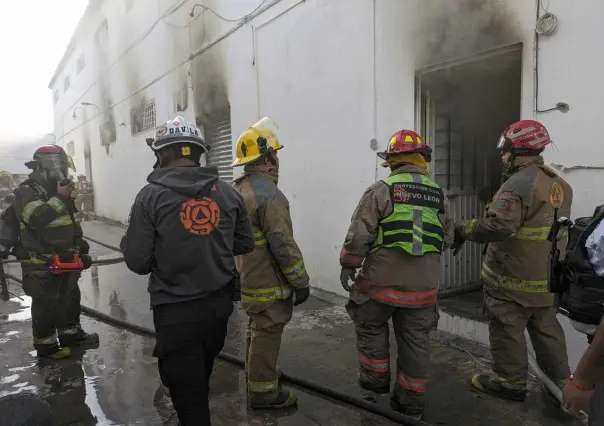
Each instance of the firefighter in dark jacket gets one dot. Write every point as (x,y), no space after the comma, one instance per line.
(185,228)
(397,234)
(53,253)
(514,270)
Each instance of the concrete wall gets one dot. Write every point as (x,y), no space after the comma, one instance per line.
(141,61)
(333,75)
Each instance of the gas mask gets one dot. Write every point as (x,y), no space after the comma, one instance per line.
(55,168)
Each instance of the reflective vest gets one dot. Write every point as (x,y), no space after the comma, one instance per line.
(414,224)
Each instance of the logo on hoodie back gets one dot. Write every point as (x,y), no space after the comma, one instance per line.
(200,216)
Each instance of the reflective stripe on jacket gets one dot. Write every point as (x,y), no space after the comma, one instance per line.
(414,224)
(276,266)
(516,226)
(46,221)
(393,275)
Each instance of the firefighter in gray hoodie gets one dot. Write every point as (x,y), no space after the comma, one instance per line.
(185,228)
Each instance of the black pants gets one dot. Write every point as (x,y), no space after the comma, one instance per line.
(55,307)
(189,337)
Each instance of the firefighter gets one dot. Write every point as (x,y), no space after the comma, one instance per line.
(185,228)
(53,253)
(273,276)
(514,271)
(397,234)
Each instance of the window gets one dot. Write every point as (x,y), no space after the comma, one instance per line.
(70,148)
(107,130)
(55,96)
(102,34)
(129,4)
(181,99)
(80,63)
(218,135)
(142,118)
(66,83)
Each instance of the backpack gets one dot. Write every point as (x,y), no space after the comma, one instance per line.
(582,295)
(10,232)
(10,227)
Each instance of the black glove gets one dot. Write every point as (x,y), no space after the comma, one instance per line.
(346,275)
(301,295)
(458,241)
(86,260)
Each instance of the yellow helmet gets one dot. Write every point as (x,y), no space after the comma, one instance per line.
(257,141)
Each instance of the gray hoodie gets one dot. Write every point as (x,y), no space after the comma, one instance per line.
(185,228)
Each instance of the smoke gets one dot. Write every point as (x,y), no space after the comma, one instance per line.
(208,69)
(452,29)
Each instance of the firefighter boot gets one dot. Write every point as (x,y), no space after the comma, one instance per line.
(414,413)
(498,387)
(57,354)
(284,399)
(382,390)
(88,340)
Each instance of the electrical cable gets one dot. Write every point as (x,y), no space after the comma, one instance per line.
(169,71)
(244,17)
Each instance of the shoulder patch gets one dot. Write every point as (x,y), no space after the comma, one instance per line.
(556,195)
(506,205)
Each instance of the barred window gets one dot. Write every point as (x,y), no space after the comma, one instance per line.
(70,148)
(142,118)
(102,33)
(80,63)
(66,83)
(107,130)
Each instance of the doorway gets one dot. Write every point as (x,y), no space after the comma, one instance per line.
(462,107)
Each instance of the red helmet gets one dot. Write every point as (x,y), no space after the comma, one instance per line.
(406,142)
(52,158)
(524,136)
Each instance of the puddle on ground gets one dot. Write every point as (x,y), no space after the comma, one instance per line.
(9,379)
(24,314)
(22,368)
(93,402)
(11,333)
(19,388)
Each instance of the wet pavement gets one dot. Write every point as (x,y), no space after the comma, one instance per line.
(118,382)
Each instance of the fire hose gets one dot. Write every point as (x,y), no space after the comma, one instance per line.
(295,380)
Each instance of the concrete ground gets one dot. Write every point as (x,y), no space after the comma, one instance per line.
(118,384)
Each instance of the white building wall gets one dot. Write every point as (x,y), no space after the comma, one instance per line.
(333,75)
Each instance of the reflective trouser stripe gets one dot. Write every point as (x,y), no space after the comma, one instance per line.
(265,294)
(260,238)
(50,340)
(409,383)
(71,331)
(497,280)
(377,365)
(262,387)
(402,298)
(294,272)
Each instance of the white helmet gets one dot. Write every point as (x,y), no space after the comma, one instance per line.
(177,131)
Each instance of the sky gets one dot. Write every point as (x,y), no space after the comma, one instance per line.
(33,37)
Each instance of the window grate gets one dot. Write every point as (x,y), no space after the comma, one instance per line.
(80,63)
(142,118)
(71,148)
(218,135)
(107,130)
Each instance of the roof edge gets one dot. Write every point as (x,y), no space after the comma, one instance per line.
(70,46)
